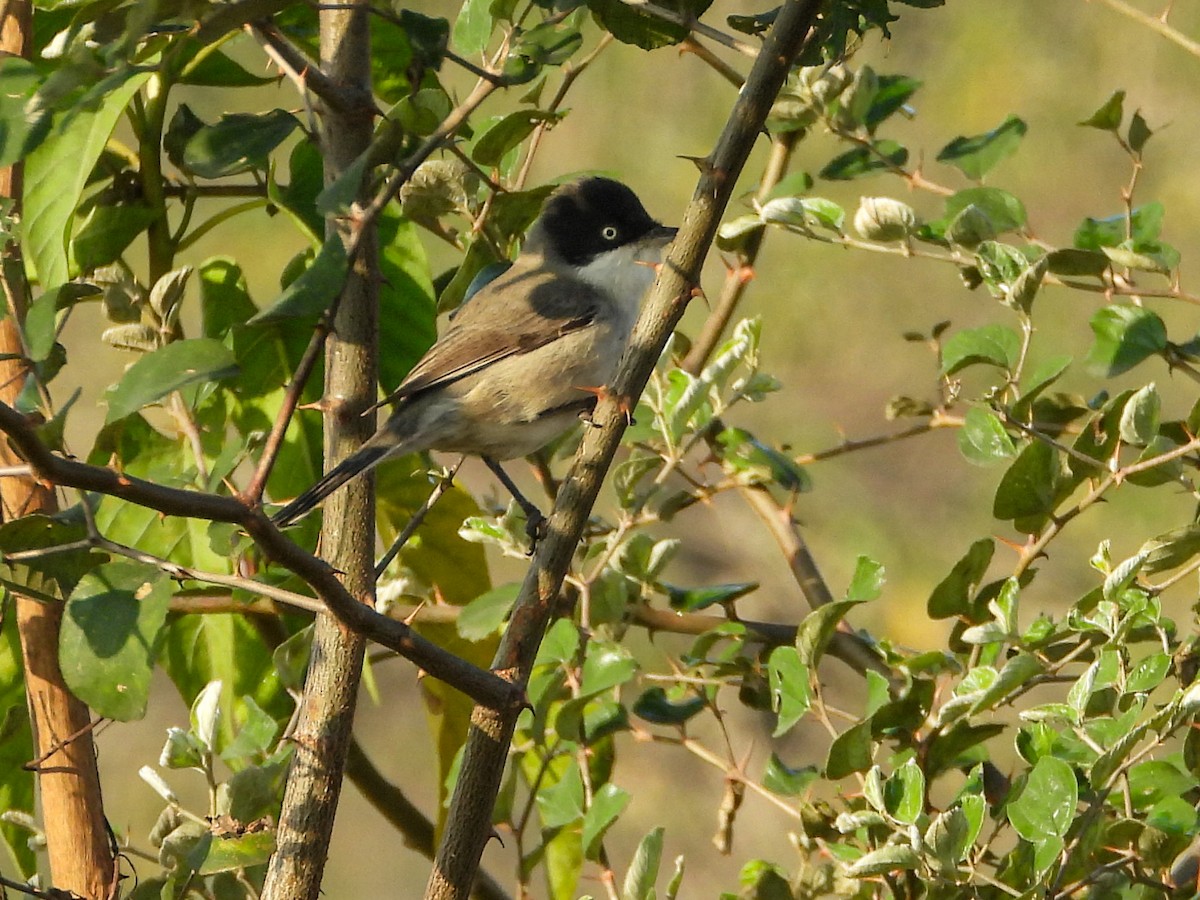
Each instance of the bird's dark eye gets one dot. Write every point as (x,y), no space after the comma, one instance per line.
(609,232)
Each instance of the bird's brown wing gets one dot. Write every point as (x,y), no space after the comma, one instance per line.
(491,326)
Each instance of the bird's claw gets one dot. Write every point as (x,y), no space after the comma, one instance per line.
(624,404)
(535,529)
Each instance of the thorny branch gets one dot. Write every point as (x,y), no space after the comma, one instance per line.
(483,687)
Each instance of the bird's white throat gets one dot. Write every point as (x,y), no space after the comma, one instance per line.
(625,274)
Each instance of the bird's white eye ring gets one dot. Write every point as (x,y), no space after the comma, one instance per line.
(609,232)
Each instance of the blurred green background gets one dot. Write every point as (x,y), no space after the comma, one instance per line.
(833,334)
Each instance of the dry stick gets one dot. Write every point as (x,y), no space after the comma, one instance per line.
(78,845)
(468,827)
(324,725)
(483,687)
(844,644)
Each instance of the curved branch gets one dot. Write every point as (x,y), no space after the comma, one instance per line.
(468,827)
(483,687)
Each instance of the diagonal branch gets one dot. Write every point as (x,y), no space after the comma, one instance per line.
(481,686)
(468,827)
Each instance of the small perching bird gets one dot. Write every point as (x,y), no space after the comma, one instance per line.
(527,354)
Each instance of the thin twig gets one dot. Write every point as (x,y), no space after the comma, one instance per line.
(307,75)
(936,421)
(1155,24)
(253,493)
(445,482)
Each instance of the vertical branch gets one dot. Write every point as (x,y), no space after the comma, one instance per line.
(77,841)
(323,733)
(469,823)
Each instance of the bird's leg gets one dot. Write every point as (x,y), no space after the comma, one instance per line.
(624,404)
(535,522)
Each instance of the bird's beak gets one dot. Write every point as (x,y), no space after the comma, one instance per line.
(662,234)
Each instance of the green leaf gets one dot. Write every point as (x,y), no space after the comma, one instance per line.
(655,706)
(509,132)
(1140,417)
(892,858)
(785,781)
(695,599)
(643,870)
(1144,256)
(312,292)
(407,306)
(168,369)
(561,804)
(976,156)
(893,92)
(904,793)
(548,44)
(756,463)
(818,626)
(630,25)
(1003,211)
(1125,336)
(804,213)
(884,219)
(1030,486)
(337,197)
(1139,133)
(860,161)
(983,440)
(867,581)
(949,836)
(16,748)
(1108,116)
(216,69)
(19,83)
(952,596)
(111,635)
(238,142)
(1047,804)
(487,613)
(224,299)
(473,27)
(1070,261)
(1023,291)
(1148,673)
(608,665)
(850,752)
(55,175)
(107,232)
(995,345)
(1144,224)
(790,690)
(1171,549)
(215,854)
(607,804)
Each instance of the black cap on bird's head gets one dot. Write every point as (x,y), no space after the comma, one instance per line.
(589,217)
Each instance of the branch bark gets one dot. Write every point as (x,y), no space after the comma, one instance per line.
(469,823)
(77,839)
(323,733)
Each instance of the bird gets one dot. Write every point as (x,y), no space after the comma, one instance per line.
(530,352)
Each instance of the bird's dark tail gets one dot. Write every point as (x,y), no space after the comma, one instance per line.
(353,465)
